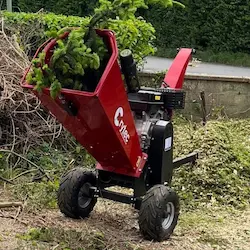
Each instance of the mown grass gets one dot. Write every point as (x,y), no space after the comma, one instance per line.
(208,228)
(65,239)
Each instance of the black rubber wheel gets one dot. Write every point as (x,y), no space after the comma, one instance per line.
(74,198)
(159,213)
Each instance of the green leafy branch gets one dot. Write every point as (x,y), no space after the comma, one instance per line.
(83,54)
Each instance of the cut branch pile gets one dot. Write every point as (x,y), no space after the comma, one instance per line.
(23,123)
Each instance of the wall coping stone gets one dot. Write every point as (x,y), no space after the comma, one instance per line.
(220,78)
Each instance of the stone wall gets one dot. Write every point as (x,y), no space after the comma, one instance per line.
(224,96)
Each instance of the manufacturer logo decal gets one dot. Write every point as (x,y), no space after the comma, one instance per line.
(118,121)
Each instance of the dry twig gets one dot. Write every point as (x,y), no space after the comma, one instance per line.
(6,180)
(23,122)
(10,204)
(12,217)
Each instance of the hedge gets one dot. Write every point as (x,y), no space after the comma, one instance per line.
(32,29)
(205,24)
(65,7)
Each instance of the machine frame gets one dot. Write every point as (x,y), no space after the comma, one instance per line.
(128,132)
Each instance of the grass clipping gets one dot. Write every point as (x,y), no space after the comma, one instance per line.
(222,172)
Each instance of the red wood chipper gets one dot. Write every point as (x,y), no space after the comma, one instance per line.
(127,129)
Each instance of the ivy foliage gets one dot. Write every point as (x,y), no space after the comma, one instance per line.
(81,57)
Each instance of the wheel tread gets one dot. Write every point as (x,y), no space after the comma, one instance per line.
(151,212)
(69,187)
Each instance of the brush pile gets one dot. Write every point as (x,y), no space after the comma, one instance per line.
(222,172)
(22,121)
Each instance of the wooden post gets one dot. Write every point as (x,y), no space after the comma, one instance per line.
(203,107)
(9,5)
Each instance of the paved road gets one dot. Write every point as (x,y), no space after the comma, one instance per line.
(154,64)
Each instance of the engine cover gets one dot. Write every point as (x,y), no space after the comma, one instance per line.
(160,153)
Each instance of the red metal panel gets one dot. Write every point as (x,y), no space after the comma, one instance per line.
(113,97)
(104,123)
(175,75)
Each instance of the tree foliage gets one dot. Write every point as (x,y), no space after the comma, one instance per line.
(82,56)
